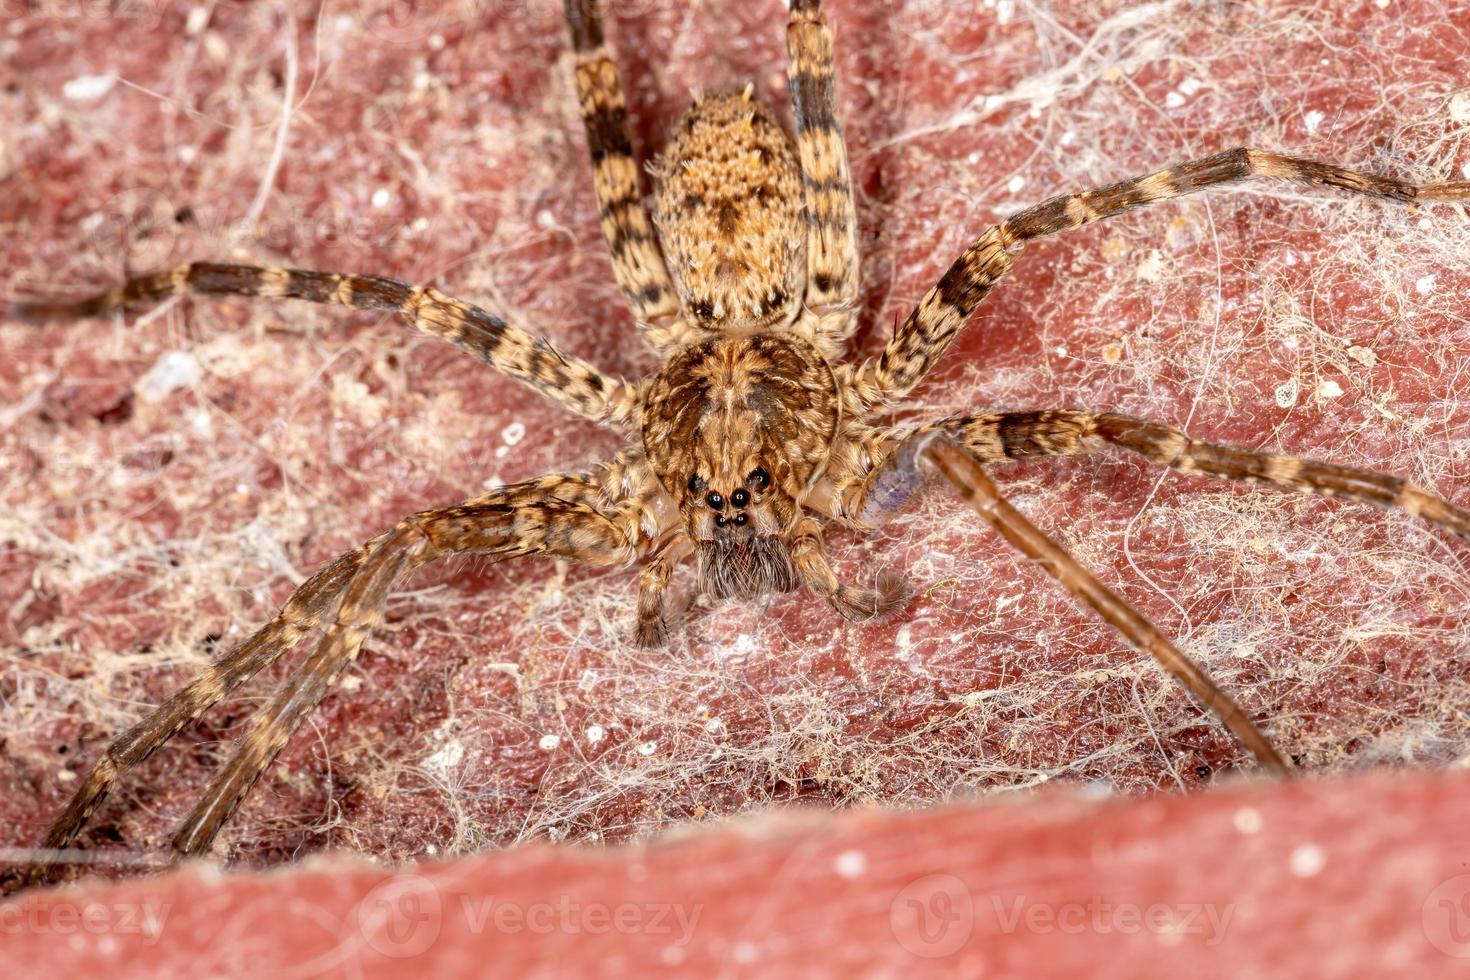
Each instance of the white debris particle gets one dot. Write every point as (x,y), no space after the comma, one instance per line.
(648,748)
(65,776)
(174,370)
(88,88)
(1330,389)
(1248,820)
(1015,184)
(1307,860)
(513,433)
(197,21)
(1190,86)
(446,758)
(351,683)
(714,726)
(1286,393)
(744,643)
(1460,112)
(595,734)
(1173,100)
(904,640)
(1363,355)
(1425,285)
(1151,267)
(1313,119)
(200,423)
(549,742)
(850,864)
(1466,171)
(381,197)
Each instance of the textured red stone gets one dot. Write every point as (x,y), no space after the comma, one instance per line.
(1250,880)
(501,705)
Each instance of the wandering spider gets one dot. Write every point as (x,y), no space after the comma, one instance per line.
(740,307)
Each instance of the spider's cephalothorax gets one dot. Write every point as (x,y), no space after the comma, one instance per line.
(736,429)
(757,433)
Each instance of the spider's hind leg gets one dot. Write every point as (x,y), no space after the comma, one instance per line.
(638,265)
(832,260)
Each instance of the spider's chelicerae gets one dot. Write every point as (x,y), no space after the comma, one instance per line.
(756,433)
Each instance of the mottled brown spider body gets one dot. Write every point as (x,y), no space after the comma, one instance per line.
(755,435)
(728,206)
(738,429)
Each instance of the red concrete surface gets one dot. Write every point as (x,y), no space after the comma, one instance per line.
(1253,881)
(164,482)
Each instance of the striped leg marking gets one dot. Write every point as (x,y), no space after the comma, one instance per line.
(995,437)
(638,265)
(923,338)
(504,523)
(571,381)
(832,261)
(968,478)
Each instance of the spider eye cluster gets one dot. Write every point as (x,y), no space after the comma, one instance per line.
(738,499)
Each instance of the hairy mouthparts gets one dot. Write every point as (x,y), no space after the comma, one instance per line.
(746,566)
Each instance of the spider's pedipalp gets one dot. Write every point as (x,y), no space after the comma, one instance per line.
(573,382)
(652,628)
(808,552)
(927,333)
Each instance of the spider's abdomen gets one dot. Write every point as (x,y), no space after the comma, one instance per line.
(727,203)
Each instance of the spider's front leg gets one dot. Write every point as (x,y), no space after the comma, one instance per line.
(936,451)
(563,516)
(531,360)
